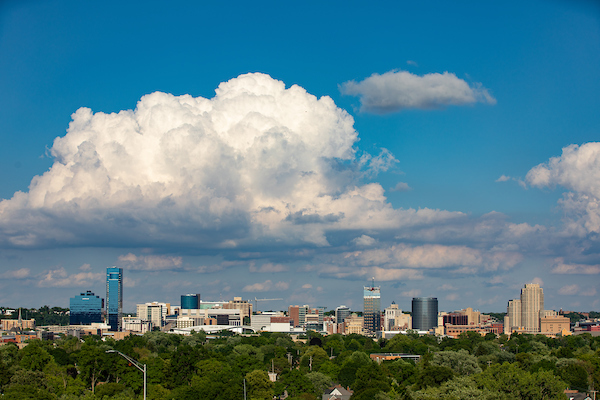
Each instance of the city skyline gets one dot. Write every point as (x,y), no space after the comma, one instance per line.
(295,152)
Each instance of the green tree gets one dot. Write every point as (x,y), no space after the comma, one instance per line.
(510,382)
(34,356)
(295,382)
(259,385)
(320,382)
(92,364)
(347,373)
(460,387)
(111,389)
(27,384)
(369,381)
(433,375)
(575,376)
(461,362)
(313,358)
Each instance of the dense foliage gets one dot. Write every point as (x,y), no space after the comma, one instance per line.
(192,367)
(43,316)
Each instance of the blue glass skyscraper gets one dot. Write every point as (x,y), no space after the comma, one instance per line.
(114,297)
(86,308)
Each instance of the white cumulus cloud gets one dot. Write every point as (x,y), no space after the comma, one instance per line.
(364,240)
(150,263)
(401,187)
(20,273)
(397,90)
(411,293)
(266,286)
(560,267)
(569,290)
(578,170)
(60,278)
(268,268)
(257,162)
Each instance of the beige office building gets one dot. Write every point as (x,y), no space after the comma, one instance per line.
(238,304)
(524,314)
(154,312)
(354,324)
(532,304)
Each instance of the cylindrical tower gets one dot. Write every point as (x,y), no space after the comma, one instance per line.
(424,313)
(190,301)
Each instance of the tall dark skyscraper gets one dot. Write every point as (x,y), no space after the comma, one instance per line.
(114,297)
(372,308)
(341,313)
(424,313)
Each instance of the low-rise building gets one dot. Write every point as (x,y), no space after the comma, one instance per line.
(23,324)
(354,324)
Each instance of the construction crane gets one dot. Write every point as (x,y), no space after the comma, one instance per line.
(257,300)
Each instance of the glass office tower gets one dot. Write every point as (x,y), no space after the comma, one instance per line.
(190,301)
(424,313)
(114,297)
(341,313)
(85,309)
(372,309)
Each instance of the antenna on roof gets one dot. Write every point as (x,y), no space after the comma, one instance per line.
(373,284)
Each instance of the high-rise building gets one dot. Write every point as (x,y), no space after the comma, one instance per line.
(302,315)
(154,312)
(190,301)
(243,305)
(341,313)
(114,297)
(372,308)
(85,309)
(524,314)
(532,304)
(424,313)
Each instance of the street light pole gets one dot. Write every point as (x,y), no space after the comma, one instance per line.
(141,367)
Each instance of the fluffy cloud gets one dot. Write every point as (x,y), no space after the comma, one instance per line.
(150,263)
(434,256)
(60,278)
(569,290)
(266,286)
(578,170)
(364,240)
(411,293)
(560,267)
(255,163)
(538,280)
(401,187)
(397,90)
(362,273)
(452,297)
(268,268)
(20,273)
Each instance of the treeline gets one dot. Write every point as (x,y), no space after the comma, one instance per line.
(192,367)
(576,317)
(43,315)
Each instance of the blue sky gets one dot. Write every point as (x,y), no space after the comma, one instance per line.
(453,151)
